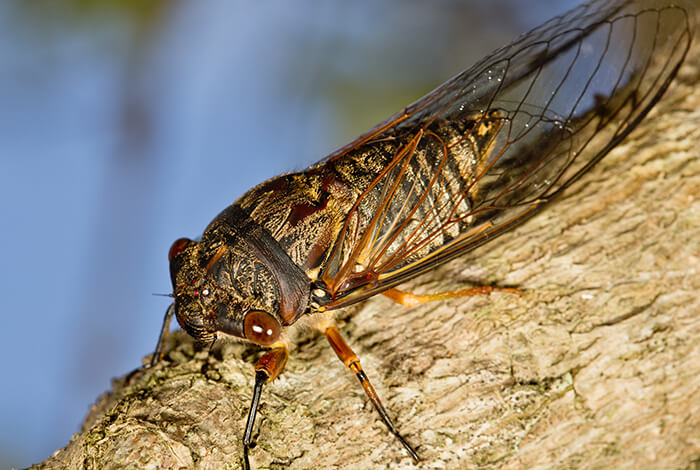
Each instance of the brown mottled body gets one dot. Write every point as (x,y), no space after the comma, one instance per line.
(304,213)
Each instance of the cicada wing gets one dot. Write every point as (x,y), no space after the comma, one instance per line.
(489,148)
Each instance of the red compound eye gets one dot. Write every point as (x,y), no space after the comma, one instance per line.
(261,328)
(177,247)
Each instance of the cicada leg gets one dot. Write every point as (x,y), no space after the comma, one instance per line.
(267,369)
(163,337)
(352,362)
(409,299)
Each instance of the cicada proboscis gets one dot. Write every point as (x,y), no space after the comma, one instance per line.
(469,161)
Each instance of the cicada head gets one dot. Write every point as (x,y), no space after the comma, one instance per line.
(220,288)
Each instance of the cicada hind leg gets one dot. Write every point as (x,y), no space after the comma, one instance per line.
(352,362)
(409,299)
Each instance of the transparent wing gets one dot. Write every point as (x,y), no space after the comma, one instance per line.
(490,147)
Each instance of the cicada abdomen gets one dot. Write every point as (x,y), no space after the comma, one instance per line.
(477,156)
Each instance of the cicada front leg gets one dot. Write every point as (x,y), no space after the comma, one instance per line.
(409,299)
(163,337)
(268,367)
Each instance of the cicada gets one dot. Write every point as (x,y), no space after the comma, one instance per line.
(469,161)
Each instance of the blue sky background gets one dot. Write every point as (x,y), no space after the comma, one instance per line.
(127,124)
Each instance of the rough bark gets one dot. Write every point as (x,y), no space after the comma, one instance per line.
(597,365)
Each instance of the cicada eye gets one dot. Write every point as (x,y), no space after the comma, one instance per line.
(261,328)
(177,247)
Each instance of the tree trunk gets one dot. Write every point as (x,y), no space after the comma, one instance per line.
(597,365)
